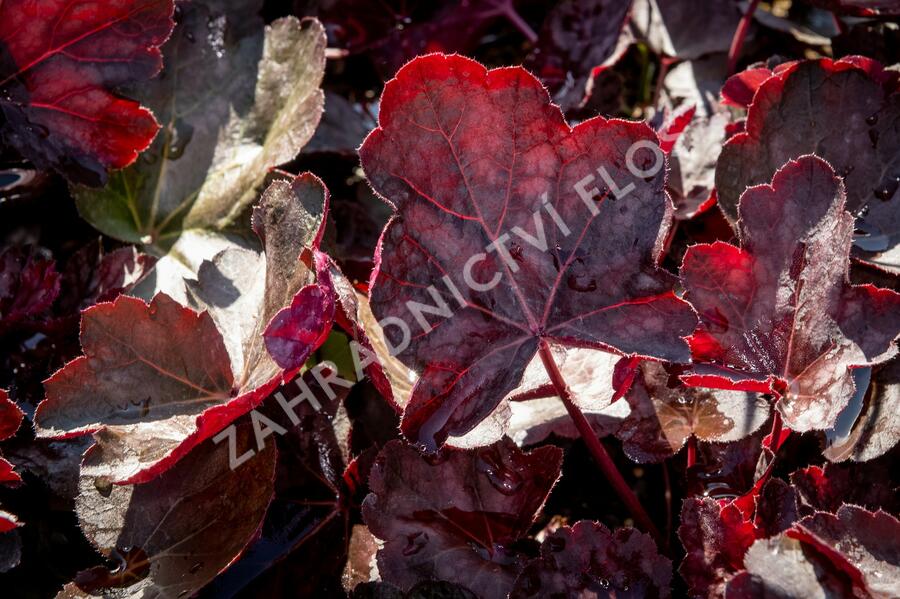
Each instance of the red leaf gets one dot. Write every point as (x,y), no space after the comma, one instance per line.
(454,516)
(59,65)
(717,534)
(298,327)
(588,560)
(142,364)
(28,286)
(351,316)
(781,306)
(842,110)
(674,126)
(10,416)
(715,538)
(827,488)
(465,155)
(740,88)
(8,522)
(158,379)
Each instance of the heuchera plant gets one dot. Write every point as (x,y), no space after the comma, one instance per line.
(620,322)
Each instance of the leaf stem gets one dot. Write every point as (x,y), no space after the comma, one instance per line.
(691,451)
(774,445)
(607,466)
(739,34)
(774,436)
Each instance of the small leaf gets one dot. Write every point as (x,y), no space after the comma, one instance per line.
(28,286)
(11,416)
(665,414)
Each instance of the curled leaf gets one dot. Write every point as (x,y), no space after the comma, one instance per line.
(876,428)
(157,379)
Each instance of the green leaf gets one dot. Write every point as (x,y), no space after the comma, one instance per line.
(235,99)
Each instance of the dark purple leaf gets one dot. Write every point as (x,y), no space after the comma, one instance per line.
(665,414)
(587,560)
(456,516)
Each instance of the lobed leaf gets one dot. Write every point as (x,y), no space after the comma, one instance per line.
(779,314)
(465,155)
(845,111)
